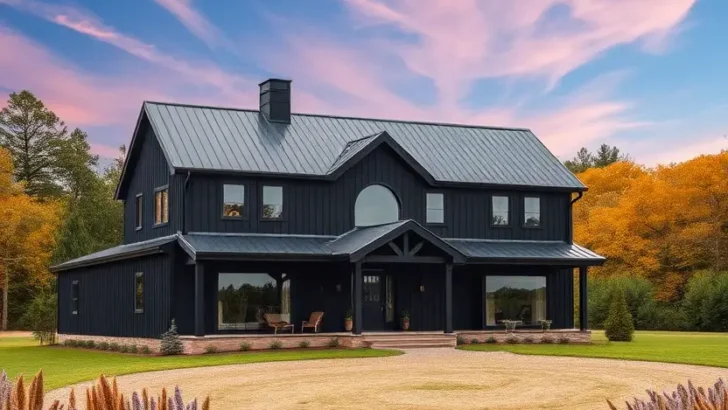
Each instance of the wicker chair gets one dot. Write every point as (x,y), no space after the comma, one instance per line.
(313,321)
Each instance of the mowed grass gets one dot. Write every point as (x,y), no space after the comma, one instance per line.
(63,366)
(709,349)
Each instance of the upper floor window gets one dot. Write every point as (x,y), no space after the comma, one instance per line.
(532,211)
(435,208)
(74,297)
(139,292)
(233,201)
(500,211)
(272,202)
(375,205)
(139,210)
(161,206)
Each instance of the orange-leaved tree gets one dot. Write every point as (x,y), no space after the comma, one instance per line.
(27,232)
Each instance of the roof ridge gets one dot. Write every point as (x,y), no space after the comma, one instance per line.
(346,117)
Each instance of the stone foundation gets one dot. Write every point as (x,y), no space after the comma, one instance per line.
(524,336)
(231,343)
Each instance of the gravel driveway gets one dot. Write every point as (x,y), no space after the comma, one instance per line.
(422,379)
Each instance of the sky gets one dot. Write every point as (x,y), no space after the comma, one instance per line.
(648,76)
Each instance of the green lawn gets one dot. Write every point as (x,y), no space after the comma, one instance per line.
(63,366)
(710,349)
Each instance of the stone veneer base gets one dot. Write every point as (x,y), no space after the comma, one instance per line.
(229,343)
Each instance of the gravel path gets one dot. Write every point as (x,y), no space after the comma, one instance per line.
(422,379)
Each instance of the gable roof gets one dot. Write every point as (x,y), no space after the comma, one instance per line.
(317,146)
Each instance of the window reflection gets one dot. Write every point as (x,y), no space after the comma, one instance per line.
(243,298)
(515,298)
(375,205)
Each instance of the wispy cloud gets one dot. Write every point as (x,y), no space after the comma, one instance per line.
(195,22)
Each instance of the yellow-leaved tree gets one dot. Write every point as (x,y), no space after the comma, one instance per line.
(27,232)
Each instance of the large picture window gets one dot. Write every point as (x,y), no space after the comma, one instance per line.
(375,205)
(243,298)
(515,298)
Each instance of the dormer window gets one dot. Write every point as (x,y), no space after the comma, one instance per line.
(272,202)
(233,205)
(500,211)
(531,212)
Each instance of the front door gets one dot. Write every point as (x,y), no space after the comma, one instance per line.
(378,303)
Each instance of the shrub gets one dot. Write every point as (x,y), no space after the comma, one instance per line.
(474,341)
(210,349)
(171,343)
(103,346)
(103,395)
(145,350)
(333,342)
(245,346)
(276,344)
(304,344)
(564,340)
(69,343)
(460,340)
(684,398)
(90,344)
(133,349)
(40,317)
(528,340)
(114,347)
(491,340)
(512,340)
(706,302)
(547,339)
(619,325)
(124,349)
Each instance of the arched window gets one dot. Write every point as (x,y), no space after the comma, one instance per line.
(375,205)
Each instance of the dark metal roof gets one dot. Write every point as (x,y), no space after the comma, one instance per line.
(221,139)
(213,245)
(498,251)
(116,253)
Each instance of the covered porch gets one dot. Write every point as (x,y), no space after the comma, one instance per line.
(376,275)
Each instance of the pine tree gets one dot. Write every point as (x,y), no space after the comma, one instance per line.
(619,326)
(171,343)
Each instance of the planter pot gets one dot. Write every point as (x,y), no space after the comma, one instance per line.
(405,324)
(348,325)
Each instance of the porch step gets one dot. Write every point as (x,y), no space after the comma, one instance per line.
(410,340)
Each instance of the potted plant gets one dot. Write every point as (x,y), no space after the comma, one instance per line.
(405,318)
(348,320)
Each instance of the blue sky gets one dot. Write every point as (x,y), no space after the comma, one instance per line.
(645,75)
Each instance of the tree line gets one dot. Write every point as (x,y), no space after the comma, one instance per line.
(664,232)
(55,202)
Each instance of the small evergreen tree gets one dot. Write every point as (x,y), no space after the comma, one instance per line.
(171,343)
(619,326)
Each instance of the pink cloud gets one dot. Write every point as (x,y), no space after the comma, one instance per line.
(195,22)
(461,41)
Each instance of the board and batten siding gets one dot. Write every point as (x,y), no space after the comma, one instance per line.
(327,207)
(106,298)
(150,171)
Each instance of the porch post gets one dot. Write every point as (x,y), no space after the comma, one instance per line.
(583,308)
(448,298)
(358,296)
(199,299)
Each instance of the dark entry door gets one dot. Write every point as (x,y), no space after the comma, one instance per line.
(373,303)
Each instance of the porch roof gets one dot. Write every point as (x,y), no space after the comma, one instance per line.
(131,250)
(525,252)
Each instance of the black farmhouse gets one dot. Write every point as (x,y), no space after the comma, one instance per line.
(234,216)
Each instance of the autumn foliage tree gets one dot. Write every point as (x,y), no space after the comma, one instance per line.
(27,232)
(662,224)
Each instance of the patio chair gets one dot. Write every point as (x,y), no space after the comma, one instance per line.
(313,321)
(274,320)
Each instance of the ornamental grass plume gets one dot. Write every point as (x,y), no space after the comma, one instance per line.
(103,395)
(683,398)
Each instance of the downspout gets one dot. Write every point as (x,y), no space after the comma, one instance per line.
(570,229)
(184,203)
